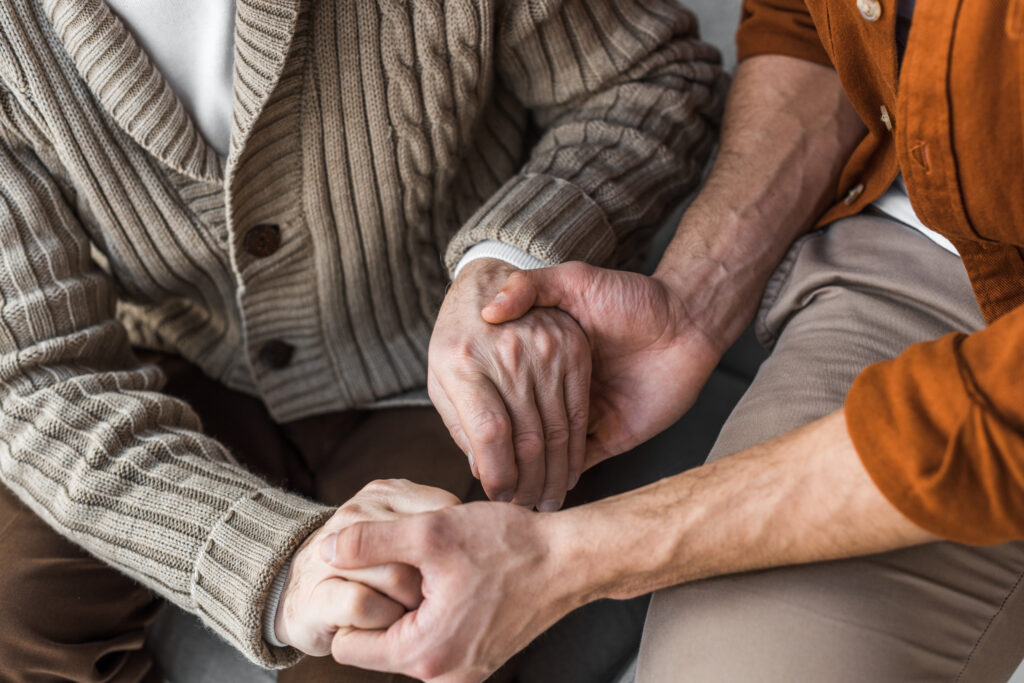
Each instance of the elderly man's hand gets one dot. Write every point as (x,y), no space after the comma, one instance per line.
(494,577)
(650,358)
(515,396)
(319,600)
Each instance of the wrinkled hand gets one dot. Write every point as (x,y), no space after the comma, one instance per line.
(319,600)
(649,358)
(514,397)
(491,583)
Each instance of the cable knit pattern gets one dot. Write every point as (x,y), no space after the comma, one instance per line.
(375,137)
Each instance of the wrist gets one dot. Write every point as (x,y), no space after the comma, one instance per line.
(486,275)
(270,609)
(571,580)
(717,280)
(587,541)
(625,546)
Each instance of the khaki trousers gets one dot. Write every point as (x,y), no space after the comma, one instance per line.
(66,616)
(857,292)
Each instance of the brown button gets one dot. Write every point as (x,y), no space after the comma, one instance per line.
(262,240)
(276,354)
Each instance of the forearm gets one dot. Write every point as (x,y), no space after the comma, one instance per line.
(788,129)
(802,497)
(613,148)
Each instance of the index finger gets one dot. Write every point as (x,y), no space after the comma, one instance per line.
(486,423)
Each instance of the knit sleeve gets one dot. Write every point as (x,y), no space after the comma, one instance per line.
(779,27)
(91,445)
(940,429)
(626,100)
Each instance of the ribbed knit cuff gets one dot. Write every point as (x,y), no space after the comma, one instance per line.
(509,253)
(270,608)
(544,216)
(244,553)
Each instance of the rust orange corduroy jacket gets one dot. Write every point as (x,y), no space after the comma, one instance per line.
(940,428)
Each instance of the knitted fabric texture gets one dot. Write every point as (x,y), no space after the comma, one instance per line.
(382,140)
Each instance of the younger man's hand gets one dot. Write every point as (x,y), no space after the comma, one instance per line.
(650,357)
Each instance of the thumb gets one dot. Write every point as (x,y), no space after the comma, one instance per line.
(368,544)
(555,287)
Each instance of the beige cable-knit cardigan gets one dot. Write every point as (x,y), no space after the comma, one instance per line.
(377,135)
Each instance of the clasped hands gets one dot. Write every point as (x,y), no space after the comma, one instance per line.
(538,375)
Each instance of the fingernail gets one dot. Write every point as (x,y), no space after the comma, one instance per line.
(327,548)
(574,479)
(549,505)
(472,463)
(504,497)
(498,298)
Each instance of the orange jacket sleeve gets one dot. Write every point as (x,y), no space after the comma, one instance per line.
(779,27)
(940,430)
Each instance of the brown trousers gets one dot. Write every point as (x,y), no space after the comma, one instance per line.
(67,616)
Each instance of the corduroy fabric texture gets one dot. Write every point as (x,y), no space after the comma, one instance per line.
(376,137)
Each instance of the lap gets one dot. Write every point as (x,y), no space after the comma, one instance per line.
(66,615)
(859,292)
(63,614)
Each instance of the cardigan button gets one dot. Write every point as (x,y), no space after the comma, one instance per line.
(276,354)
(262,240)
(871,10)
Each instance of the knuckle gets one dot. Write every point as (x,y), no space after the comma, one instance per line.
(401,576)
(359,608)
(391,486)
(509,348)
(557,435)
(578,418)
(499,482)
(433,533)
(459,359)
(430,666)
(354,510)
(374,487)
(392,575)
(463,355)
(491,428)
(440,498)
(544,344)
(529,446)
(576,270)
(518,278)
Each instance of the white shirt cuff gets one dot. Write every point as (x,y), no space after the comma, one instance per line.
(270,609)
(509,253)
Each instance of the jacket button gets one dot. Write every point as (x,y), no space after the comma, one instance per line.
(276,354)
(886,119)
(855,191)
(262,240)
(870,9)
